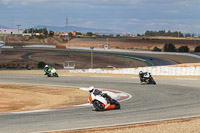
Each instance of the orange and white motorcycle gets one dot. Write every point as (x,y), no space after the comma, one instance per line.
(103,102)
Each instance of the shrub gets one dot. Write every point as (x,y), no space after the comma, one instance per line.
(183,49)
(41,65)
(169,48)
(197,49)
(156,49)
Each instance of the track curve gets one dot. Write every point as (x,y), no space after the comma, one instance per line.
(154,61)
(169,99)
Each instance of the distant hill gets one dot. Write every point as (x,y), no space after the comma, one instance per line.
(3,27)
(74,28)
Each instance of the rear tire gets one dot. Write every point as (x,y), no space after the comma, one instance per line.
(116,103)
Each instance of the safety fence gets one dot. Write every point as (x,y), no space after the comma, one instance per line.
(160,70)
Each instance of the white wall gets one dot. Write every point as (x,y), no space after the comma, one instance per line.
(11,31)
(160,70)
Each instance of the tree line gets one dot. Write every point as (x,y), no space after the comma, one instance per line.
(169,47)
(164,33)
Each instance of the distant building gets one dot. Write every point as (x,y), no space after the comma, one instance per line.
(74,33)
(27,34)
(11,31)
(2,43)
(106,46)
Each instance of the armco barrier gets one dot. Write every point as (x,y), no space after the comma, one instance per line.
(160,70)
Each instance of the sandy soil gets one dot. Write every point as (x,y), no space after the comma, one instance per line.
(27,97)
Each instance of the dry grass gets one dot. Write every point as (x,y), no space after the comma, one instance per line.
(27,97)
(136,43)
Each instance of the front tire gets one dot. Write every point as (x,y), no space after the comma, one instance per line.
(98,105)
(56,75)
(153,81)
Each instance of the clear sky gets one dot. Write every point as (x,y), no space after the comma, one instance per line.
(135,16)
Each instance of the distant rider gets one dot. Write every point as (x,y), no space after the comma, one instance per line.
(144,76)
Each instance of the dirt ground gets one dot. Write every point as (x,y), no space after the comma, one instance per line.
(136,43)
(13,59)
(10,59)
(15,98)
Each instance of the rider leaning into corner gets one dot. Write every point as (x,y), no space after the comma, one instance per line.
(144,76)
(98,92)
(47,69)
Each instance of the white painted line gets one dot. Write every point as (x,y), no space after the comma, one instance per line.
(32,111)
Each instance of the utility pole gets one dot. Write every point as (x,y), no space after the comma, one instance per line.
(67,23)
(178,34)
(91,57)
(12,22)
(18,28)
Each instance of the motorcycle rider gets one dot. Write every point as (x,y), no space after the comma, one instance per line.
(50,71)
(98,92)
(144,76)
(47,69)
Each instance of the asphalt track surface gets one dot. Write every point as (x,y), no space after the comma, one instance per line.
(169,99)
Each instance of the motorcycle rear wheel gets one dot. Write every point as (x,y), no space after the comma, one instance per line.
(116,103)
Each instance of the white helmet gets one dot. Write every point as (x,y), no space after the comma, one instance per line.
(46,66)
(91,88)
(140,72)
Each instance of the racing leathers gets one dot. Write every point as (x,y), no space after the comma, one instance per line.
(144,76)
(106,96)
(47,70)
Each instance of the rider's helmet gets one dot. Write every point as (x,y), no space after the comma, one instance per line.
(140,73)
(46,66)
(91,89)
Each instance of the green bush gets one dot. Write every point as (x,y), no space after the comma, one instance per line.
(183,49)
(41,65)
(169,48)
(197,49)
(156,49)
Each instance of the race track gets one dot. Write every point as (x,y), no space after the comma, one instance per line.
(150,60)
(169,99)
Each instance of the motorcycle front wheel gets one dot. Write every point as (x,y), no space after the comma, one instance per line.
(56,75)
(98,105)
